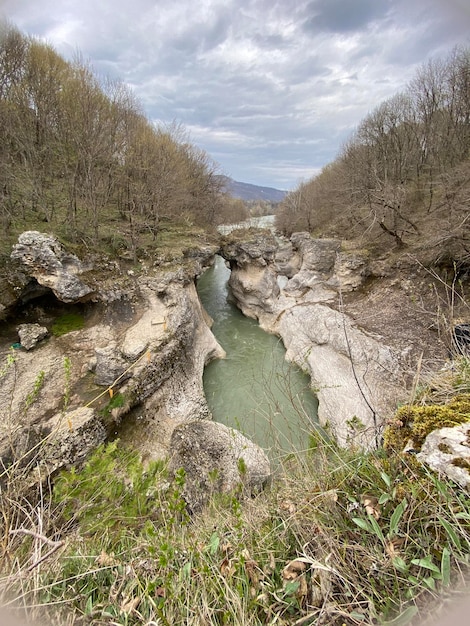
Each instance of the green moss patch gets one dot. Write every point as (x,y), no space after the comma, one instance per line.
(416,422)
(67,322)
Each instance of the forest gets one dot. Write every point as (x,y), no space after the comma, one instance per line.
(79,157)
(403,177)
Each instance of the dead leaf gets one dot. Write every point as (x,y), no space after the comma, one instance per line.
(302,590)
(270,567)
(106,560)
(226,568)
(293,570)
(253,572)
(371,504)
(393,546)
(227,547)
(130,604)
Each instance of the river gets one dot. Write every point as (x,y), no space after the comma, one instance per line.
(254,389)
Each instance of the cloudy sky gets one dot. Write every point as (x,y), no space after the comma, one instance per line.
(269,88)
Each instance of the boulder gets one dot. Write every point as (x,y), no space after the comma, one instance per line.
(31,334)
(254,289)
(461,339)
(72,437)
(110,365)
(447,451)
(216,459)
(43,258)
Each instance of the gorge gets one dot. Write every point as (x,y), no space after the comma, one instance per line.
(137,365)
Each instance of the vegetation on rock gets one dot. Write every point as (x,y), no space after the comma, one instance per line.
(66,323)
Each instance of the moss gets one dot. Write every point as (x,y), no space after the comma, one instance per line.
(444,448)
(117,401)
(463,463)
(66,323)
(416,422)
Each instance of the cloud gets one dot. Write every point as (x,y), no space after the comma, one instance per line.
(343,16)
(270,88)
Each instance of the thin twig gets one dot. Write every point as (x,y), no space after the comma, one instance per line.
(55,545)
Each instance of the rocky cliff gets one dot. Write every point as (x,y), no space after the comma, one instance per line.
(326,303)
(138,357)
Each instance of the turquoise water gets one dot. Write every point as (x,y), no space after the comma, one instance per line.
(254,389)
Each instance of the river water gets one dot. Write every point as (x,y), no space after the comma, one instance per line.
(254,389)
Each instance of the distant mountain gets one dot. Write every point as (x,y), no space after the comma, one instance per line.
(246,191)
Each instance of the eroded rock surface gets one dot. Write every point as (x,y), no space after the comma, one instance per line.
(46,260)
(447,451)
(143,347)
(31,334)
(354,373)
(216,459)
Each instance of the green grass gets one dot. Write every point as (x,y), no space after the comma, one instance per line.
(66,323)
(341,537)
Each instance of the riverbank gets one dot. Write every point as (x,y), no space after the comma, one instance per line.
(362,326)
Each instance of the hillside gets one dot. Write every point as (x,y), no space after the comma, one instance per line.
(247,191)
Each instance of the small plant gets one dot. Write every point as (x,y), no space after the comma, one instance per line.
(117,401)
(34,393)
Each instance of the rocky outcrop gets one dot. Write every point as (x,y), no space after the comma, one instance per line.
(43,258)
(143,348)
(447,451)
(354,373)
(216,459)
(253,278)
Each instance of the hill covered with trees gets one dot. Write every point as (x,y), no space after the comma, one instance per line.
(403,178)
(79,157)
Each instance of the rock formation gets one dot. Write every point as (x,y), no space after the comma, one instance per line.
(353,372)
(31,334)
(44,259)
(143,347)
(447,452)
(216,459)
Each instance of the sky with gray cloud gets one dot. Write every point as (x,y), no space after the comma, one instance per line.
(269,88)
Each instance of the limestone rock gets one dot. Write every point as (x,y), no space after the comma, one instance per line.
(253,279)
(287,259)
(43,258)
(351,370)
(318,258)
(31,334)
(254,289)
(110,365)
(149,328)
(350,270)
(216,459)
(447,451)
(72,437)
